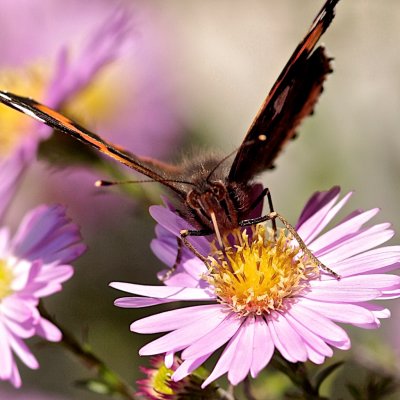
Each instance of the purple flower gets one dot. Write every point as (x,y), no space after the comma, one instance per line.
(157,384)
(265,294)
(105,65)
(61,77)
(33,264)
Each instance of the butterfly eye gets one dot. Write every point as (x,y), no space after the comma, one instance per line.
(218,190)
(193,199)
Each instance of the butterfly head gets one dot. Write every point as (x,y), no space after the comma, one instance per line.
(212,207)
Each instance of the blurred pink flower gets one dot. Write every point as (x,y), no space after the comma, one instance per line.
(57,79)
(102,63)
(11,171)
(33,265)
(269,295)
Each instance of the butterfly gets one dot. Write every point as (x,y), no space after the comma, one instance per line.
(211,196)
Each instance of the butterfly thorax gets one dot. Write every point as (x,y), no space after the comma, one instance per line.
(212,193)
(229,205)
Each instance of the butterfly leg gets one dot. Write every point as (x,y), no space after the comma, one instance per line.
(183,240)
(178,260)
(273,216)
(256,202)
(202,232)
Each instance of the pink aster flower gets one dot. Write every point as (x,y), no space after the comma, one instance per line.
(157,384)
(33,265)
(269,295)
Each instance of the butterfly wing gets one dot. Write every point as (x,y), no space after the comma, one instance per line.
(152,168)
(291,99)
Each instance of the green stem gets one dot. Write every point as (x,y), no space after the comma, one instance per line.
(247,389)
(108,377)
(297,373)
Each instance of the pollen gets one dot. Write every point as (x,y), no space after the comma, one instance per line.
(258,272)
(6,279)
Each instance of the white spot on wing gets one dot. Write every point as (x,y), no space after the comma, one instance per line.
(280,101)
(28,112)
(21,107)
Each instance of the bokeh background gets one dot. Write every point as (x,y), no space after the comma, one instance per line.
(198,71)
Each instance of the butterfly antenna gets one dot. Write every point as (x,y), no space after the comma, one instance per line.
(260,138)
(103,183)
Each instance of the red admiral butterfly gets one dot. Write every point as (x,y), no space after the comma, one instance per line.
(212,197)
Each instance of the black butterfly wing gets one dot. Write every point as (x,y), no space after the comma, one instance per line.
(154,169)
(291,99)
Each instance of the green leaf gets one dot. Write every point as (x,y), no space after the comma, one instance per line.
(95,386)
(325,373)
(354,391)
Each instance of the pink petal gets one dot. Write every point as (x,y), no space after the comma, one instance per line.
(23,352)
(317,201)
(179,278)
(286,339)
(377,310)
(139,302)
(165,250)
(340,312)
(25,272)
(169,359)
(316,347)
(359,243)
(164,292)
(15,377)
(176,319)
(214,339)
(317,222)
(263,347)
(314,356)
(340,231)
(243,356)
(225,361)
(188,366)
(376,259)
(24,331)
(339,292)
(37,225)
(359,282)
(389,294)
(51,278)
(183,337)
(16,308)
(70,253)
(4,239)
(48,330)
(318,324)
(6,359)
(174,224)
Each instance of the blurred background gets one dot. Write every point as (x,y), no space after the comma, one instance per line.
(194,73)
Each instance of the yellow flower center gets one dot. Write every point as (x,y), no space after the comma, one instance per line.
(160,381)
(258,274)
(6,278)
(93,99)
(27,82)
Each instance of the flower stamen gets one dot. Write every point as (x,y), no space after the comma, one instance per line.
(257,275)
(6,279)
